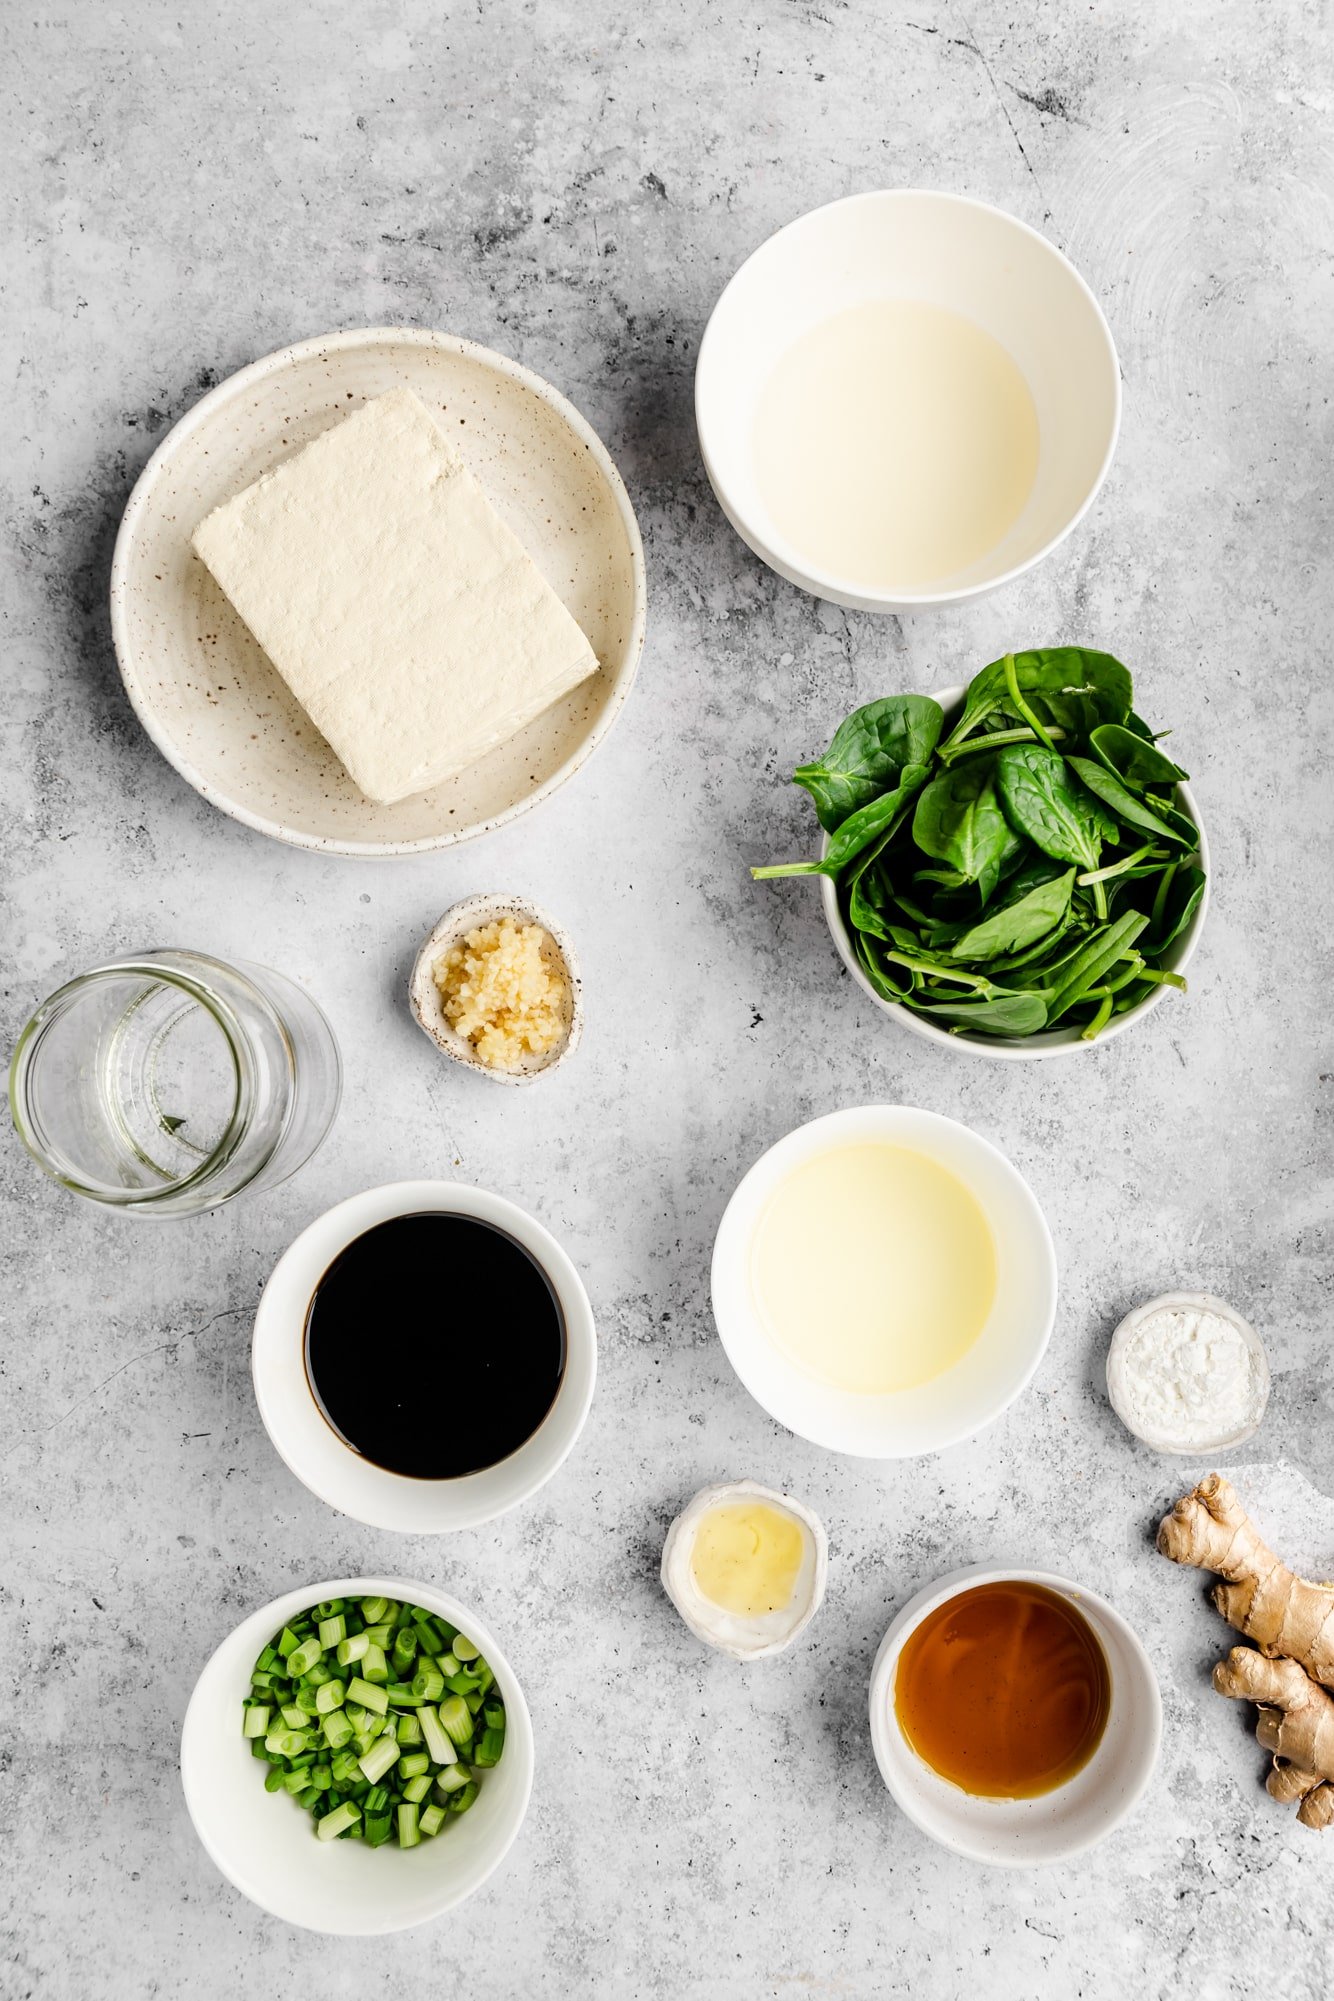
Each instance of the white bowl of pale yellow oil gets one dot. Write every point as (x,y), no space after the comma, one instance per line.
(906,399)
(1015,1715)
(884,1282)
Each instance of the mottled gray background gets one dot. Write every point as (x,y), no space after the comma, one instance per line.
(573,183)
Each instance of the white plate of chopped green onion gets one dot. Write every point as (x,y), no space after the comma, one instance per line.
(357,1757)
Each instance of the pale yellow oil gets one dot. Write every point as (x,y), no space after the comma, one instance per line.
(873,1268)
(746,1557)
(895,444)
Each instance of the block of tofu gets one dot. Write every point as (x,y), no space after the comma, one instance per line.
(406,618)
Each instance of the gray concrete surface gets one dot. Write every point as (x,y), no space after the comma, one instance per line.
(193,187)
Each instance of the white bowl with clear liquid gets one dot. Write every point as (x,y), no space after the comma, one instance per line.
(169,1082)
(941,250)
(964,1399)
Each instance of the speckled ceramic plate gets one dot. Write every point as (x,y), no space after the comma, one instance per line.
(205,690)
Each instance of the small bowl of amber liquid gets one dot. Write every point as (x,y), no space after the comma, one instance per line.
(1015,1715)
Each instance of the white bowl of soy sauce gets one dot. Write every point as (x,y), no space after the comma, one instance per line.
(424,1356)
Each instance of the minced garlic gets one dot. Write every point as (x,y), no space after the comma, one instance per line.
(503,994)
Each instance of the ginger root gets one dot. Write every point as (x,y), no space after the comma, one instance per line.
(1296,1727)
(1281,1612)
(1292,1623)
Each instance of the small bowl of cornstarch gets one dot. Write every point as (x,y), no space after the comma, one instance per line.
(1187,1374)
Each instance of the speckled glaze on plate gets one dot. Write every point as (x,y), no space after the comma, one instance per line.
(424,994)
(205,690)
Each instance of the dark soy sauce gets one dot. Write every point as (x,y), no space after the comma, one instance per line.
(435,1345)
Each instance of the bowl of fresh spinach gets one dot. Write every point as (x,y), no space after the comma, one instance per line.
(1016,868)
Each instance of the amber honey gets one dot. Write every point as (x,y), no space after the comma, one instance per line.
(1004,1690)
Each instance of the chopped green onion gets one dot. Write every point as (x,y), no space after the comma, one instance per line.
(337,1729)
(438,1741)
(489,1750)
(455,1718)
(334,1823)
(304,1657)
(372,1755)
(376,1762)
(366,1696)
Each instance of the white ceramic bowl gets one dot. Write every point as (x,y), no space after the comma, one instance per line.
(943,250)
(1052,1041)
(982,1383)
(424,995)
(1118,1391)
(308,1444)
(204,689)
(266,1845)
(1057,1825)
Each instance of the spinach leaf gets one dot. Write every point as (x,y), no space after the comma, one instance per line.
(1122,802)
(1043,801)
(1173,912)
(857,831)
(868,755)
(885,985)
(1097,957)
(1072,687)
(1012,1014)
(958,820)
(1128,757)
(1019,923)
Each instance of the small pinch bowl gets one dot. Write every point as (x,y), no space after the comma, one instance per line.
(1054,1827)
(424,995)
(901,1424)
(943,250)
(1118,1392)
(307,1443)
(696,1612)
(1049,1042)
(267,1846)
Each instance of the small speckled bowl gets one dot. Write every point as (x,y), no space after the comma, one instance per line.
(424,994)
(1118,1388)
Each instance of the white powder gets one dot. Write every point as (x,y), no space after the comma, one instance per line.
(1187,1378)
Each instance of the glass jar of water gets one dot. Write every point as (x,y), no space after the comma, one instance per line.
(170,1082)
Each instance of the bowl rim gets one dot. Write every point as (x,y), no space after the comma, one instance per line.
(848,591)
(885,1727)
(269,1617)
(1047,1043)
(623,671)
(828,1123)
(339,1226)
